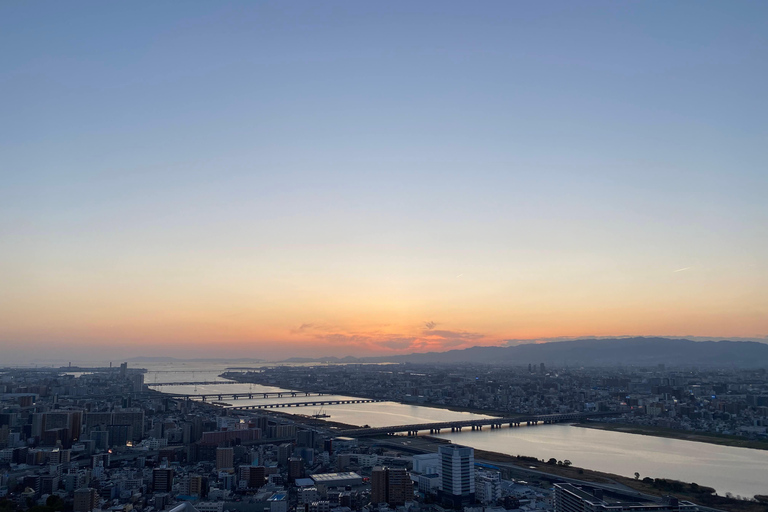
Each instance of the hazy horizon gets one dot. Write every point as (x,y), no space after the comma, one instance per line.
(109,355)
(331,179)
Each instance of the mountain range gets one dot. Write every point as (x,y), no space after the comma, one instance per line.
(638,351)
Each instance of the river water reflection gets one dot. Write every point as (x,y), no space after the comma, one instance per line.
(740,471)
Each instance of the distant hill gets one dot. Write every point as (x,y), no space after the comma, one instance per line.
(331,359)
(600,352)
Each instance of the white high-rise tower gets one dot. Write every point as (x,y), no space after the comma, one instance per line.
(458,474)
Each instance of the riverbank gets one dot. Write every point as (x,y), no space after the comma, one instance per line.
(662,487)
(531,469)
(617,450)
(646,430)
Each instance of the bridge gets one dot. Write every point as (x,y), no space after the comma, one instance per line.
(198,383)
(304,404)
(478,424)
(250,395)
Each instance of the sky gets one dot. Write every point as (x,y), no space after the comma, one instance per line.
(280,179)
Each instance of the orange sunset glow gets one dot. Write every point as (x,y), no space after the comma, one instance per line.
(268,184)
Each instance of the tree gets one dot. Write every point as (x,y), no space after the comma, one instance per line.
(7,505)
(54,502)
(637,475)
(567,463)
(552,461)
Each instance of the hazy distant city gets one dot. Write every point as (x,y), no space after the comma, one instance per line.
(390,436)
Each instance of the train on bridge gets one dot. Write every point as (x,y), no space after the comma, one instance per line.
(249,395)
(305,404)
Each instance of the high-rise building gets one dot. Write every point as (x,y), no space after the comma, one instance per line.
(162,480)
(86,499)
(134,418)
(195,487)
(70,420)
(399,486)
(295,468)
(225,458)
(137,382)
(253,476)
(192,485)
(378,485)
(119,435)
(457,474)
(49,483)
(284,453)
(281,431)
(97,421)
(390,485)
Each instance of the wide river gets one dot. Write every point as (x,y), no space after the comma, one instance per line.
(740,471)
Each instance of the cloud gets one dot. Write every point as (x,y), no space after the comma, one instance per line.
(371,342)
(682,269)
(453,338)
(424,339)
(311,327)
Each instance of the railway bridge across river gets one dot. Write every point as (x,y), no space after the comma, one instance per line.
(192,383)
(319,402)
(244,395)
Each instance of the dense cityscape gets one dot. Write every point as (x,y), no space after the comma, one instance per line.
(104,440)
(722,401)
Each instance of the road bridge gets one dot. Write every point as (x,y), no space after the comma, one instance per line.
(304,404)
(477,424)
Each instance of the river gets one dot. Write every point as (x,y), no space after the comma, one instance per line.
(740,471)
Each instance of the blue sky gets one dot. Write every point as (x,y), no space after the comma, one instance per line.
(340,163)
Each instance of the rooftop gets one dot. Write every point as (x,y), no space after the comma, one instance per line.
(327,477)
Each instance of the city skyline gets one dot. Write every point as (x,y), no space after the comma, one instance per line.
(271,180)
